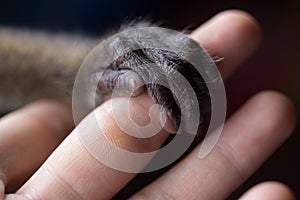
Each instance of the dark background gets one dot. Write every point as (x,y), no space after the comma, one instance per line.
(274,66)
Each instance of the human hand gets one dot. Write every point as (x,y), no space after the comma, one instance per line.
(29,135)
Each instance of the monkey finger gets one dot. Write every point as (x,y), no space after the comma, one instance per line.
(123,82)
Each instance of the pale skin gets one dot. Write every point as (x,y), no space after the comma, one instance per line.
(31,134)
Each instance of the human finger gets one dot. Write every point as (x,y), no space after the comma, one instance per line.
(269,191)
(120,177)
(28,136)
(248,138)
(231,37)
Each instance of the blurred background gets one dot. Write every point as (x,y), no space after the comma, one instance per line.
(274,66)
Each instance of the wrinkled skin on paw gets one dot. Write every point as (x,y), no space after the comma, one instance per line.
(157,70)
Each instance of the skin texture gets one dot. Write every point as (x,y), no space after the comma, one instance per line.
(269,190)
(72,173)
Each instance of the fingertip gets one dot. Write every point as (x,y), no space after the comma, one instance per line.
(269,190)
(242,15)
(244,20)
(282,110)
(233,35)
(248,22)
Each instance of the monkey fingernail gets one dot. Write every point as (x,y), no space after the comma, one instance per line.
(167,122)
(129,83)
